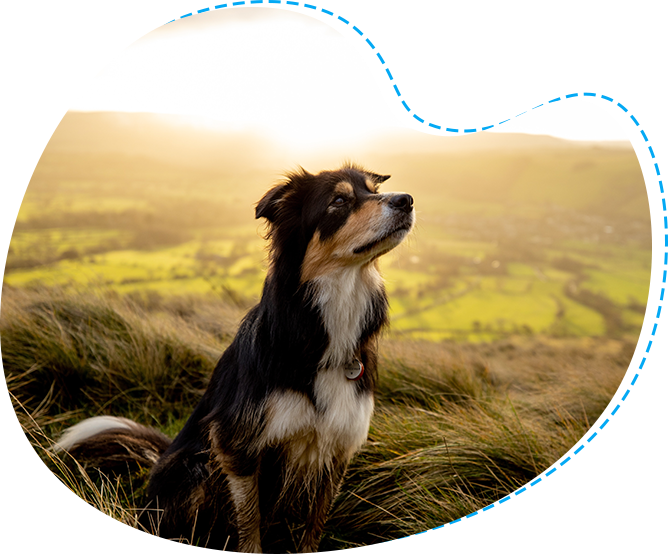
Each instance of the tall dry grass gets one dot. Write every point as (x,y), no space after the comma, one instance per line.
(456,426)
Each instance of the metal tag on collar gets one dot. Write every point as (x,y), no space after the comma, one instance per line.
(354,370)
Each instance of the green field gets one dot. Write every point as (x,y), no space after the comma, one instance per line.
(528,299)
(545,237)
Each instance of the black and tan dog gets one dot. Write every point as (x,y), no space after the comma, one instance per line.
(259,462)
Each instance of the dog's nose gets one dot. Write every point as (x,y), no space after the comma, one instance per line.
(403,202)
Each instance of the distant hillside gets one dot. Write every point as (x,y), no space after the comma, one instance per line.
(163,135)
(477,172)
(413,141)
(168,138)
(590,180)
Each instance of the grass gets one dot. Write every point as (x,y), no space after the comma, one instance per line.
(106,493)
(456,426)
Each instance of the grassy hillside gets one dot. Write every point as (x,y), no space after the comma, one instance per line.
(456,427)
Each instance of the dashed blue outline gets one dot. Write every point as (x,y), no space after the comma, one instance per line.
(439,127)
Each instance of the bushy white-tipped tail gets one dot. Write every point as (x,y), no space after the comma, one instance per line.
(89,427)
(113,444)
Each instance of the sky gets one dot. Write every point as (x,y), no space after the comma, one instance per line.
(294,78)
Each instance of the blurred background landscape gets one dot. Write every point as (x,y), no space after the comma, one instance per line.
(517,235)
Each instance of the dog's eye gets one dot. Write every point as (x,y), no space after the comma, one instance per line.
(339,201)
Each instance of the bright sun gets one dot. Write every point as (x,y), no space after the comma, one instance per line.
(281,74)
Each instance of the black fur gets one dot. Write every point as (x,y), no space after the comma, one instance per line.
(278,349)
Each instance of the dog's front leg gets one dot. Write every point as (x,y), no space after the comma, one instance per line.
(320,505)
(245,497)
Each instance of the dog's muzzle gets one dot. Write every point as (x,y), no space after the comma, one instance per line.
(398,222)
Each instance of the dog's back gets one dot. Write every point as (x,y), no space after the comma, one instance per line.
(261,458)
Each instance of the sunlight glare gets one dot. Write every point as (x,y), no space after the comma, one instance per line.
(295,79)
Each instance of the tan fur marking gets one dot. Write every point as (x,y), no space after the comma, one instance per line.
(337,251)
(245,497)
(371,185)
(219,456)
(319,258)
(345,188)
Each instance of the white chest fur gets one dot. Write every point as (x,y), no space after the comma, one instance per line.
(336,426)
(344,300)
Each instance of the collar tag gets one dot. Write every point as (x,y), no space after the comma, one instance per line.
(354,370)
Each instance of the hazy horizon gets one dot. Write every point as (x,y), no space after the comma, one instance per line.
(198,141)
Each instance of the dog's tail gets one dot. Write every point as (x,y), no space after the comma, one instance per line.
(112,444)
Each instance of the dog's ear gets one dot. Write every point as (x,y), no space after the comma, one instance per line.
(378,179)
(268,206)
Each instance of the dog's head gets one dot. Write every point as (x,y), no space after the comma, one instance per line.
(335,219)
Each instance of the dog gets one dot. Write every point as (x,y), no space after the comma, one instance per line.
(261,459)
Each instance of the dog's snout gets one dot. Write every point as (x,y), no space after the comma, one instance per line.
(403,202)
